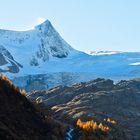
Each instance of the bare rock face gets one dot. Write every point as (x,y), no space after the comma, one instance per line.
(97,99)
(7,62)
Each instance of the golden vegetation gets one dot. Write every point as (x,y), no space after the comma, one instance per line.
(104,130)
(91,126)
(23,92)
(4,78)
(110,121)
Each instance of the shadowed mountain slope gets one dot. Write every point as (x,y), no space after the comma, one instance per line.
(96,100)
(19,120)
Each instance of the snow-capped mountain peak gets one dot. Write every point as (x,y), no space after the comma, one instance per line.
(34,47)
(55,45)
(43,51)
(46,24)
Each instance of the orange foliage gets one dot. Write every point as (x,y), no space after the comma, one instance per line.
(91,126)
(23,92)
(4,78)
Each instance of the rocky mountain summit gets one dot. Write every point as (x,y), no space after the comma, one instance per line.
(97,99)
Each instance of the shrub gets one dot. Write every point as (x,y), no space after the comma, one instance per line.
(4,78)
(92,126)
(23,92)
(10,84)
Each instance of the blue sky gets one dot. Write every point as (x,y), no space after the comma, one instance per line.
(88,25)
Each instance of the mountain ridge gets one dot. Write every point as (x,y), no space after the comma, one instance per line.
(42,51)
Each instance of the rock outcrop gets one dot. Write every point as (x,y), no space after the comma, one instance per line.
(97,99)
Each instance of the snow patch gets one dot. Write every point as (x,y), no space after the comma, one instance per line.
(103,52)
(135,64)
